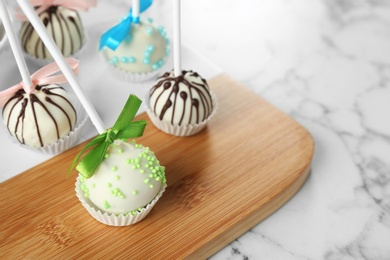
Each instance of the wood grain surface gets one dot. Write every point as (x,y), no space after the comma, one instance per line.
(246,164)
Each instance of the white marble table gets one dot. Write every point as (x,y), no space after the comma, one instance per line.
(326,63)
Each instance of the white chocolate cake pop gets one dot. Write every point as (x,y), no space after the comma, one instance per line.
(63,24)
(144,49)
(183,100)
(40,118)
(128,179)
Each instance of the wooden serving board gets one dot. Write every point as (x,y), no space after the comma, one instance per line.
(246,164)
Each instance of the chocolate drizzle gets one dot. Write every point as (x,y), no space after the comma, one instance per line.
(32,101)
(184,89)
(60,23)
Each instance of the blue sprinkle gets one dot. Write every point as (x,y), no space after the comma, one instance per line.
(155,66)
(124,59)
(147,54)
(146,61)
(151,47)
(160,62)
(149,30)
(132,59)
(150,20)
(167,41)
(160,28)
(114,60)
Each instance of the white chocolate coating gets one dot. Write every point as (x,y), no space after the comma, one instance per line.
(183,100)
(129,178)
(40,118)
(145,49)
(63,24)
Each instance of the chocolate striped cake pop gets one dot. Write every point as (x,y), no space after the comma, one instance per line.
(39,118)
(63,25)
(182,100)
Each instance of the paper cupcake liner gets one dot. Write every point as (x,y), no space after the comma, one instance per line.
(133,77)
(43,62)
(114,219)
(65,142)
(176,130)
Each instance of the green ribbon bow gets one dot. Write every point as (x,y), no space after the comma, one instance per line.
(123,128)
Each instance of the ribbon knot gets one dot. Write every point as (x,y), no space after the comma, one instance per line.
(114,36)
(111,136)
(43,76)
(123,128)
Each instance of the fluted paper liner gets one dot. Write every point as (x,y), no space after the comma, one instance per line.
(112,219)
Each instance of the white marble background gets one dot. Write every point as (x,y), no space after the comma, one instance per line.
(326,63)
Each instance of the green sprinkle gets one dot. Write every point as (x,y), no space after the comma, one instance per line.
(146,181)
(93,185)
(114,168)
(150,175)
(151,186)
(106,155)
(128,161)
(109,185)
(134,192)
(117,177)
(158,178)
(106,205)
(120,150)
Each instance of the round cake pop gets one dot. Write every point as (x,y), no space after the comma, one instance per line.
(182,100)
(128,179)
(39,118)
(144,49)
(135,48)
(63,24)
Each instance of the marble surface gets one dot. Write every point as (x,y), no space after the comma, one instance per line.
(326,63)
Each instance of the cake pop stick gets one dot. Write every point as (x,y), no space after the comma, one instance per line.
(21,63)
(59,58)
(135,10)
(176,38)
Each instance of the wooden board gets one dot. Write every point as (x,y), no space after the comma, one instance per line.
(246,164)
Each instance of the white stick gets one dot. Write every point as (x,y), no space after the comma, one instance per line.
(13,40)
(176,39)
(59,58)
(135,10)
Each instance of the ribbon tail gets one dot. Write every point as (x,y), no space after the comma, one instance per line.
(96,141)
(128,112)
(144,5)
(92,160)
(5,95)
(133,130)
(114,36)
